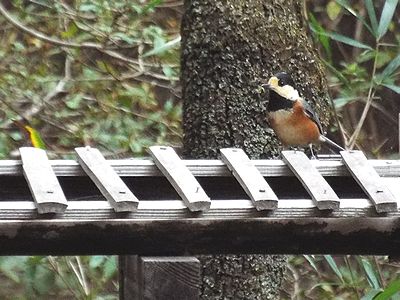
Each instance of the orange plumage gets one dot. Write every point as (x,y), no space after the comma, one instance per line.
(293,127)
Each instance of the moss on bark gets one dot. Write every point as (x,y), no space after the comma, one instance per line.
(229,49)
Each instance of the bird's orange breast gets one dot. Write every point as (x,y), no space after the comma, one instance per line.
(293,127)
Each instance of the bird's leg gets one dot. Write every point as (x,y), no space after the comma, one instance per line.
(281,148)
(312,152)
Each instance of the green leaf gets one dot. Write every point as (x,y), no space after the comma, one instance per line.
(10,265)
(337,73)
(162,48)
(347,6)
(391,67)
(394,88)
(70,32)
(366,56)
(35,137)
(386,16)
(342,101)
(372,16)
(311,262)
(333,10)
(88,8)
(124,37)
(323,39)
(168,71)
(96,261)
(371,294)
(344,39)
(151,5)
(389,291)
(110,267)
(74,101)
(371,275)
(382,58)
(334,266)
(349,41)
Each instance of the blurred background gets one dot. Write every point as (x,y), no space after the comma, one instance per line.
(106,73)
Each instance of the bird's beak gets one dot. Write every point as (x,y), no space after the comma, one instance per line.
(265,87)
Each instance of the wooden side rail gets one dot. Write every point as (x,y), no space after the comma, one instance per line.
(229,226)
(183,207)
(204,168)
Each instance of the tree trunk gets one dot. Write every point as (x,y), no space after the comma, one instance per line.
(228,49)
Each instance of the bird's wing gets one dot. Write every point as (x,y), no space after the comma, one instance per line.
(311,114)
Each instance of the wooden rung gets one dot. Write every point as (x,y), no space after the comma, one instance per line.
(320,191)
(369,181)
(106,179)
(43,183)
(250,178)
(186,185)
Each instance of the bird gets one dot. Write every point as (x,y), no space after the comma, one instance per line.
(293,120)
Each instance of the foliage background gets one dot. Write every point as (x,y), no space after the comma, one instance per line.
(105,73)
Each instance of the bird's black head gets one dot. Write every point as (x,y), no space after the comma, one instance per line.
(284,79)
(282,93)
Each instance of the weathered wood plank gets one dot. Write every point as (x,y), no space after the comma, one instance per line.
(128,277)
(369,181)
(254,184)
(42,181)
(202,168)
(107,181)
(190,236)
(319,190)
(159,209)
(186,185)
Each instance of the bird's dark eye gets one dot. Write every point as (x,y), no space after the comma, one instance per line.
(284,79)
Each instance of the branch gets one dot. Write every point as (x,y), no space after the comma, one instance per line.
(61,43)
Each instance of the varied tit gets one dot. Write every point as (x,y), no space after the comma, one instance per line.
(291,117)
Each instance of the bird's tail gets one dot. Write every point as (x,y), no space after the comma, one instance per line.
(331,143)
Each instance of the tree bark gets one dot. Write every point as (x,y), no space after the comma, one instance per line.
(228,49)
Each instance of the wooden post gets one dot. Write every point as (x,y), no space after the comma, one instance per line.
(159,278)
(166,277)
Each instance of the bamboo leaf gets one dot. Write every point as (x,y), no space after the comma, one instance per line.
(391,67)
(372,16)
(371,275)
(394,88)
(386,16)
(349,41)
(392,289)
(334,266)
(151,5)
(311,262)
(346,40)
(345,4)
(324,39)
(371,295)
(342,101)
(338,74)
(164,47)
